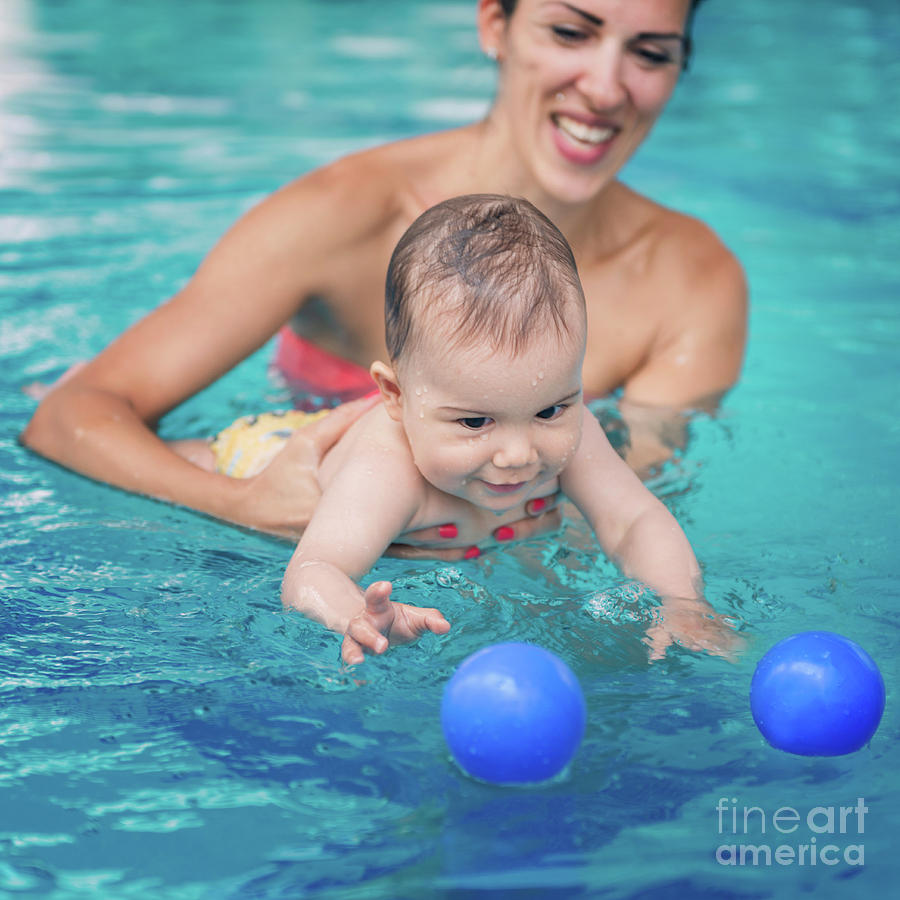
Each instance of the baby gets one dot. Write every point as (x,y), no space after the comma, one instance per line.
(482,410)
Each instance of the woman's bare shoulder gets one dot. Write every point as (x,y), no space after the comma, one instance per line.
(367,189)
(695,246)
(696,289)
(689,257)
(673,233)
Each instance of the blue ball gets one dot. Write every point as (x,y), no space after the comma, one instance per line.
(513,713)
(817,694)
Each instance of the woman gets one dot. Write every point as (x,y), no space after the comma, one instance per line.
(580,85)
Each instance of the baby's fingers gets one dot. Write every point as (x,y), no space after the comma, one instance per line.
(658,640)
(361,637)
(378,598)
(435,622)
(414,621)
(351,652)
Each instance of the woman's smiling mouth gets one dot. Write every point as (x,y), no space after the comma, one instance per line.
(581,131)
(579,142)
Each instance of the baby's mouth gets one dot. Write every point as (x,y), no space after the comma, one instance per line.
(508,488)
(589,135)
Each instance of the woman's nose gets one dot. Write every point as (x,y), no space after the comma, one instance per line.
(601,80)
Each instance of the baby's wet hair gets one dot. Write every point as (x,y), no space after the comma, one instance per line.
(482,268)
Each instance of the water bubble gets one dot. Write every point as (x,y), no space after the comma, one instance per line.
(448,577)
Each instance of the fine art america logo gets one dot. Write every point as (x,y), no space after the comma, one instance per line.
(818,835)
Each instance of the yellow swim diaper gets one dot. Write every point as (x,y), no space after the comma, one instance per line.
(249,444)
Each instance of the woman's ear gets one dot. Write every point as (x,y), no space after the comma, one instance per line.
(386,379)
(491,27)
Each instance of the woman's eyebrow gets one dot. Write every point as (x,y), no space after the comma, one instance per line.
(641,36)
(594,20)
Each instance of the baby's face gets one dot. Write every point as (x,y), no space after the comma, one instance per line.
(493,427)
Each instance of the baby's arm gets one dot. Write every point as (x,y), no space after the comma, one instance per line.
(642,537)
(360,512)
(632,525)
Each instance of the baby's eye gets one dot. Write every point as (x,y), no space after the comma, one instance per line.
(551,412)
(474,422)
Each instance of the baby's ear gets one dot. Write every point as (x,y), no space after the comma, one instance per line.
(386,379)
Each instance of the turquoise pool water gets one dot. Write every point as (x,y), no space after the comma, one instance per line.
(166,732)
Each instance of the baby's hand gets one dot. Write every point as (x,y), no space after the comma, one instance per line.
(693,624)
(384,622)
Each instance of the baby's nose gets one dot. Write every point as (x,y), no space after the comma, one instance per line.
(514,453)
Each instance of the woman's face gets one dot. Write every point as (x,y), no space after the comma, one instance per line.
(581,83)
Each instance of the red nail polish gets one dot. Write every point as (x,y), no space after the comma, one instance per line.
(471,553)
(538,504)
(504,533)
(448,531)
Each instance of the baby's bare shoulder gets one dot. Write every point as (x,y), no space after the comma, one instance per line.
(374,447)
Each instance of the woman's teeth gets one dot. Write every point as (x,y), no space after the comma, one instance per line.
(578,131)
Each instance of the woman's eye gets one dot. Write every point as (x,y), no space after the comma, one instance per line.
(567,34)
(653,57)
(551,412)
(474,422)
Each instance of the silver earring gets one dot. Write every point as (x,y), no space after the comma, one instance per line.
(491,53)
(560,96)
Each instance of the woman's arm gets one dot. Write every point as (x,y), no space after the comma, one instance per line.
(100,421)
(699,348)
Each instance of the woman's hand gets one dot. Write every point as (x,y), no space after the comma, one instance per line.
(543,517)
(384,622)
(281,499)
